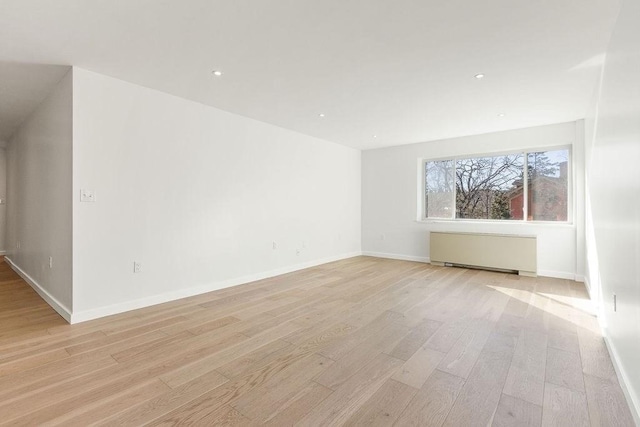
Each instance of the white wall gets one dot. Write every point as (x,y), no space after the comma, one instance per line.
(197,196)
(390,180)
(613,197)
(3,196)
(39,197)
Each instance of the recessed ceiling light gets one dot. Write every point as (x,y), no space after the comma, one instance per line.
(217,73)
(501,115)
(321,115)
(375,136)
(479,76)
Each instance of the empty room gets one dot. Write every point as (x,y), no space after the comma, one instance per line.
(320,213)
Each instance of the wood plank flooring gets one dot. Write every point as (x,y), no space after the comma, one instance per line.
(363,341)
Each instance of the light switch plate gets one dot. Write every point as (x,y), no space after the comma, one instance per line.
(87,196)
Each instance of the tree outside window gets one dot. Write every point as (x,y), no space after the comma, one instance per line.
(493,187)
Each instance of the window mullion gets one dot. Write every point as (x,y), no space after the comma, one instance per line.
(454,192)
(525,189)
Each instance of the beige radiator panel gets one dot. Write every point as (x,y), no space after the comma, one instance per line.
(499,251)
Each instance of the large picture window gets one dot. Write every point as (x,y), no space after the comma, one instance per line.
(532,186)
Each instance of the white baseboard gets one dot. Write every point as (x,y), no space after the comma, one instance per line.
(587,284)
(545,273)
(60,308)
(396,256)
(558,274)
(623,378)
(109,310)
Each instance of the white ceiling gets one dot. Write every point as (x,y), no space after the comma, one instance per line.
(400,69)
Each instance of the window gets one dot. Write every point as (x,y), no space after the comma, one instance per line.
(497,187)
(440,189)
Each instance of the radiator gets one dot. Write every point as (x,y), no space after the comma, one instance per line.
(493,251)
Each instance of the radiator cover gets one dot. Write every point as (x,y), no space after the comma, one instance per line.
(494,251)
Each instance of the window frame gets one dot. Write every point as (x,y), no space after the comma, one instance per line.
(422,199)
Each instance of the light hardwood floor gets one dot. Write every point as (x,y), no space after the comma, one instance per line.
(363,341)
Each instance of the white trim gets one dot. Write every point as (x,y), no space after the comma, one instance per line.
(587,284)
(567,224)
(525,188)
(109,310)
(3,252)
(558,274)
(534,149)
(44,294)
(544,273)
(506,222)
(623,379)
(397,256)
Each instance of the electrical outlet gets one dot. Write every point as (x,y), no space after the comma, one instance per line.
(87,195)
(297,251)
(50,262)
(136,267)
(615,303)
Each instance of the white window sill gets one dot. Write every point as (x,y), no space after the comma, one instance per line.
(501,223)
